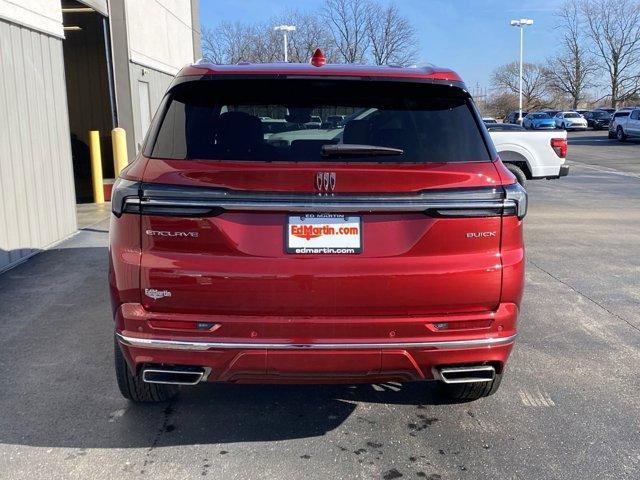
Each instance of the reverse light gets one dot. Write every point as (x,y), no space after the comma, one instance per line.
(559,146)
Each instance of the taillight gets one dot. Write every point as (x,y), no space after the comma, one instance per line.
(515,200)
(125,197)
(559,146)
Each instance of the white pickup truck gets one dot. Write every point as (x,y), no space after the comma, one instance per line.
(625,124)
(528,154)
(532,154)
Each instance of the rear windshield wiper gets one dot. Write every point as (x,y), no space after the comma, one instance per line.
(354,150)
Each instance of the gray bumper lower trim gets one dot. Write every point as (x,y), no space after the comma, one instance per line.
(203,346)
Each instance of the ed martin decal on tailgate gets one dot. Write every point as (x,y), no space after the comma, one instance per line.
(156,294)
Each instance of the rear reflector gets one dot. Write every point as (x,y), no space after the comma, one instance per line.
(459,325)
(183,325)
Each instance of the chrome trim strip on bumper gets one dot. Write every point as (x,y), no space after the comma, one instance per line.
(326,204)
(203,346)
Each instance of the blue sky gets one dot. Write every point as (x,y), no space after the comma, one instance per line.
(470,36)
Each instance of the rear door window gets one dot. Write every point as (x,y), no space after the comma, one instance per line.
(267,120)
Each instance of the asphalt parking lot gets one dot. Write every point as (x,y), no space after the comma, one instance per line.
(567,409)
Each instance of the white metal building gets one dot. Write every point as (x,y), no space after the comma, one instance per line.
(68,67)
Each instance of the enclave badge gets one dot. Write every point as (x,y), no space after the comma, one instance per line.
(167,233)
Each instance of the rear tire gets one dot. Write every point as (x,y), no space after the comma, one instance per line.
(465,392)
(518,172)
(133,388)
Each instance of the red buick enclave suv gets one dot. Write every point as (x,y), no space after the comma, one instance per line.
(249,243)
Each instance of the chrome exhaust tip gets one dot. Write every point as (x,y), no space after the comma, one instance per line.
(471,374)
(173,375)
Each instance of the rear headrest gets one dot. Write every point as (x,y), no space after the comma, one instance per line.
(357,132)
(239,131)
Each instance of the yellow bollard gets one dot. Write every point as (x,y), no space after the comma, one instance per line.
(96,166)
(119,140)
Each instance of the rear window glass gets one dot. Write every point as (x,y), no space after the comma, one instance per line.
(277,120)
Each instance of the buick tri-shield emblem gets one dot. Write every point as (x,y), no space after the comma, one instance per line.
(325,181)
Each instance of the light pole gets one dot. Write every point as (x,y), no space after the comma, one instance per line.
(285,29)
(523,22)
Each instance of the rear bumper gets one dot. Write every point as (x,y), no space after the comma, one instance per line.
(563,172)
(200,346)
(292,356)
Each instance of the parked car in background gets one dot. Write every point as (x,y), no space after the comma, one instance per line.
(618,117)
(531,154)
(551,113)
(333,121)
(389,248)
(538,121)
(489,120)
(504,127)
(628,126)
(581,112)
(570,121)
(610,111)
(315,122)
(272,125)
(598,119)
(512,117)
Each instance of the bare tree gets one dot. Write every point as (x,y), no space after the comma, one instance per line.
(534,85)
(347,21)
(348,31)
(392,38)
(569,73)
(228,43)
(501,104)
(613,26)
(267,44)
(239,42)
(212,49)
(311,33)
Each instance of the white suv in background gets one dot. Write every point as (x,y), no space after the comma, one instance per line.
(625,123)
(570,121)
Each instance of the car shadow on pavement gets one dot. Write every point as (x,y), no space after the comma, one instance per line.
(58,384)
(207,414)
(227,413)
